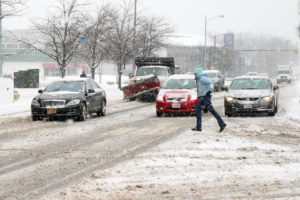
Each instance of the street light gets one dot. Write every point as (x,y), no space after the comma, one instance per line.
(206,21)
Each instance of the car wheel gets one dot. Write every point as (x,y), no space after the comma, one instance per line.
(158,114)
(84,113)
(102,111)
(36,118)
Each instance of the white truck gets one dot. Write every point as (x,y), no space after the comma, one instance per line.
(284,74)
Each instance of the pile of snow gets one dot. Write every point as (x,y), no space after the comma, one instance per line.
(290,101)
(6,90)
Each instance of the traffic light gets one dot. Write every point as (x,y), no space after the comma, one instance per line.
(224,51)
(296,51)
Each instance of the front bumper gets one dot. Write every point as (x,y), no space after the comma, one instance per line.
(238,107)
(283,79)
(70,111)
(168,107)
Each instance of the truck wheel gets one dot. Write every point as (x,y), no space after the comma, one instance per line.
(132,98)
(158,114)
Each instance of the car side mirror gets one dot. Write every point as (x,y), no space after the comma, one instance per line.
(40,91)
(226,88)
(276,87)
(130,75)
(91,91)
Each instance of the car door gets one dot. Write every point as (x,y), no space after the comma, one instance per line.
(98,95)
(90,96)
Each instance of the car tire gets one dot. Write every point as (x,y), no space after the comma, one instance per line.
(273,112)
(102,111)
(159,114)
(36,118)
(228,114)
(84,113)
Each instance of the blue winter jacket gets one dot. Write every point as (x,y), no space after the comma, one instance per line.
(203,85)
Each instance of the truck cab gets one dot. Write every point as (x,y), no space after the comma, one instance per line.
(284,74)
(162,73)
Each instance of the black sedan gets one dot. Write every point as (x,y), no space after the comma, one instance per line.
(251,94)
(69,99)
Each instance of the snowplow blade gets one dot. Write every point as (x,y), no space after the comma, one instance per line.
(141,87)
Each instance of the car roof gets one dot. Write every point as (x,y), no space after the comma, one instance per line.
(251,77)
(71,79)
(182,76)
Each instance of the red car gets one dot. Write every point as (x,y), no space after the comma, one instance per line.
(178,95)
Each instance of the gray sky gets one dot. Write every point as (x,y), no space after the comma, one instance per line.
(273,17)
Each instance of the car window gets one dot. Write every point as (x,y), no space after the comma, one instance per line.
(71,86)
(250,84)
(94,84)
(89,85)
(180,84)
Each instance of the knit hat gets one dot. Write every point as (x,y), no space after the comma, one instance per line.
(198,71)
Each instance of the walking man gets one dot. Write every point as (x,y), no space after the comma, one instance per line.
(204,91)
(83,74)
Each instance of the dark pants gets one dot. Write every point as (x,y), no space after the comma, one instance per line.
(206,102)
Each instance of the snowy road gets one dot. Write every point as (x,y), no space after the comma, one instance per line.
(132,154)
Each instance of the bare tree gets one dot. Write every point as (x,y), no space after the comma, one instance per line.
(120,40)
(151,35)
(11,8)
(59,34)
(93,49)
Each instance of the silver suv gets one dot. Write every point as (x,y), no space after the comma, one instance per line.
(217,78)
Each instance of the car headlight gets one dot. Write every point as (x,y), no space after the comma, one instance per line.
(35,103)
(73,102)
(160,98)
(268,98)
(194,97)
(229,99)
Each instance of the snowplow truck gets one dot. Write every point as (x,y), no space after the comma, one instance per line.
(150,75)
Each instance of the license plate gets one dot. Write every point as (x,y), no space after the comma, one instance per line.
(175,105)
(51,111)
(248,106)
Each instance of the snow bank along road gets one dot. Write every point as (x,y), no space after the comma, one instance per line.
(132,154)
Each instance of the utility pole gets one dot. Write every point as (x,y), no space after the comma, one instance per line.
(205,30)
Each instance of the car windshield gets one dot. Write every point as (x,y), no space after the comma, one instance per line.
(283,72)
(156,71)
(180,84)
(250,84)
(211,75)
(70,86)
(252,74)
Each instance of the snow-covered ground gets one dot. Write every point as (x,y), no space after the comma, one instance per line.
(21,107)
(254,158)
